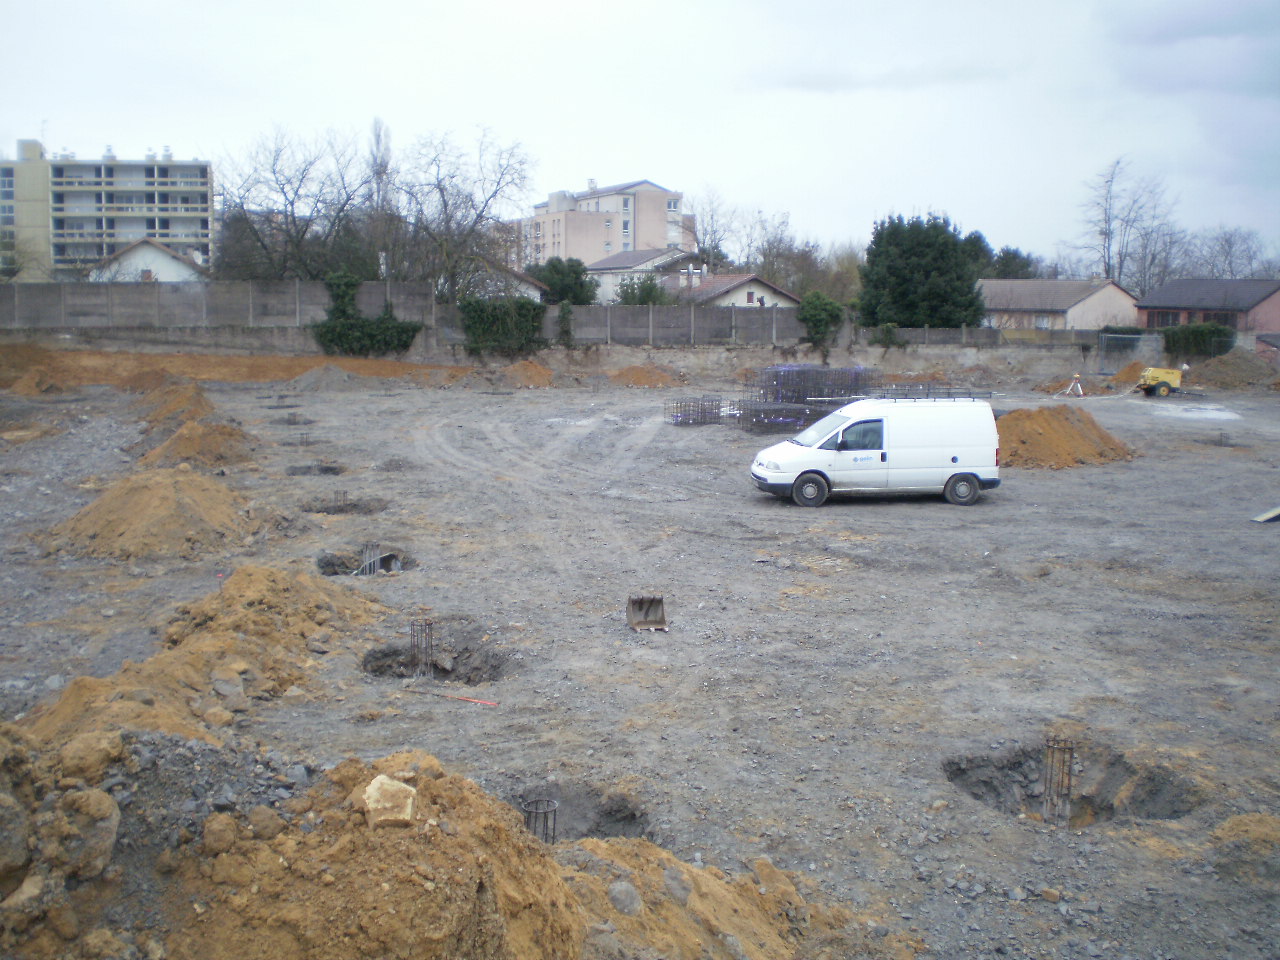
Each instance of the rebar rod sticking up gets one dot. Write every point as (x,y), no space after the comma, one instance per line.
(422,648)
(1059,766)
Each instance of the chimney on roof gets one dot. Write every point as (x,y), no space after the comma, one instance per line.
(168,154)
(108,154)
(591,184)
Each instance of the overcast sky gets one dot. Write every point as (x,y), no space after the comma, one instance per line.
(836,112)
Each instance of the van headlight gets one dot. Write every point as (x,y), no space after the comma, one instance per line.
(771,466)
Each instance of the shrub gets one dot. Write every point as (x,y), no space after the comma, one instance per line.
(821,318)
(886,336)
(564,326)
(507,326)
(346,332)
(1198,340)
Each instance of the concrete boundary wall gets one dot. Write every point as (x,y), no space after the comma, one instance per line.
(184,309)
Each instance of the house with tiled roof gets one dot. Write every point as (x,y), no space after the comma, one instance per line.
(599,222)
(148,261)
(727,290)
(1247,306)
(633,265)
(1056,304)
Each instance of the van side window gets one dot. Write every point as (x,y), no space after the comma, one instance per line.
(866,435)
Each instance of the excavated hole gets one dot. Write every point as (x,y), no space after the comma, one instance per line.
(1105,785)
(386,559)
(464,653)
(292,420)
(587,811)
(338,503)
(315,470)
(395,465)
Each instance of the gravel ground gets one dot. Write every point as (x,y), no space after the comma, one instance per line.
(825,670)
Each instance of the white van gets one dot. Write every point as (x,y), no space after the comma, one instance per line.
(947,446)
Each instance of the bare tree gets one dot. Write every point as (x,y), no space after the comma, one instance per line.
(454,204)
(1119,213)
(1232,253)
(290,210)
(716,226)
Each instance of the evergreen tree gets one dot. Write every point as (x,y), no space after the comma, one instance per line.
(567,279)
(919,273)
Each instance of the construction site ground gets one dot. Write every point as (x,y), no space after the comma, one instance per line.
(860,693)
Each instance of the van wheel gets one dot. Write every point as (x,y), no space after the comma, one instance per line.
(963,490)
(810,490)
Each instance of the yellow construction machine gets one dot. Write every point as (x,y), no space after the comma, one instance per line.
(1159,382)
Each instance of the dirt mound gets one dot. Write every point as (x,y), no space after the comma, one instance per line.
(174,403)
(211,444)
(1233,371)
(1247,848)
(527,373)
(146,380)
(644,375)
(1127,376)
(1056,437)
(253,639)
(158,513)
(37,381)
(328,874)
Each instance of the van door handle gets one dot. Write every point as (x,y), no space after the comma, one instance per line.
(884,457)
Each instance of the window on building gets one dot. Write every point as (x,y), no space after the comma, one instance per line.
(673,206)
(1163,318)
(751,296)
(626,228)
(626,203)
(608,247)
(1226,318)
(626,247)
(608,224)
(6,183)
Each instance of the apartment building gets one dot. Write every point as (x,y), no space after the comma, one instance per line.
(60,216)
(602,221)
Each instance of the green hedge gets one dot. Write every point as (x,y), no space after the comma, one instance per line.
(506,326)
(345,331)
(1198,340)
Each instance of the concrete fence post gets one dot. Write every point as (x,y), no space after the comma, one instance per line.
(651,324)
(608,324)
(773,336)
(733,323)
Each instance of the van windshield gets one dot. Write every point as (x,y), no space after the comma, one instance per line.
(813,435)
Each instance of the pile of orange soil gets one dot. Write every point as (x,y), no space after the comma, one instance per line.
(1127,376)
(37,381)
(527,373)
(1056,437)
(1246,848)
(158,513)
(322,877)
(246,641)
(74,368)
(644,375)
(174,403)
(210,444)
(1235,370)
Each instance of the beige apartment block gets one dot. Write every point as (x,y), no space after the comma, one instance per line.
(61,216)
(601,222)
